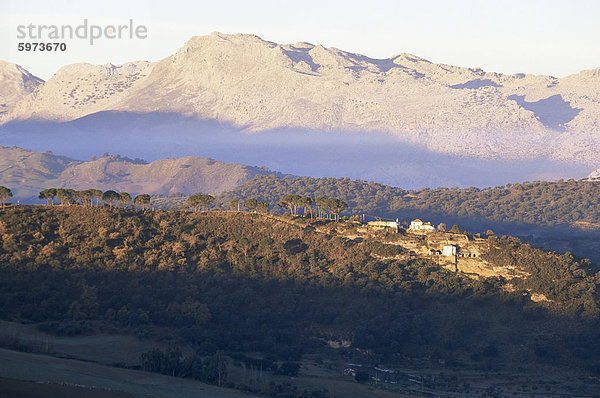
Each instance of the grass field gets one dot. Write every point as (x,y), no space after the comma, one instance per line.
(28,389)
(106,349)
(33,375)
(102,348)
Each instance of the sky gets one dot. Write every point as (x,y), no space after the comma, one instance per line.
(547,37)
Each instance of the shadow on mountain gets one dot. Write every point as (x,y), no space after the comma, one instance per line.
(477,83)
(372,156)
(384,65)
(302,55)
(553,112)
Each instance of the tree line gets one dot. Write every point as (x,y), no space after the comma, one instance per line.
(93,197)
(297,205)
(323,207)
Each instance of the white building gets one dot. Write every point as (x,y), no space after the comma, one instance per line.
(449,250)
(394,225)
(418,225)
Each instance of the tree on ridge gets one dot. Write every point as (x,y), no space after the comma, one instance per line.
(200,201)
(143,200)
(111,197)
(124,199)
(5,193)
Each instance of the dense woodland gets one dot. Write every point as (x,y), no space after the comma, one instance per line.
(233,283)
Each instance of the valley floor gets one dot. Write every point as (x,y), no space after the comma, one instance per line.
(78,365)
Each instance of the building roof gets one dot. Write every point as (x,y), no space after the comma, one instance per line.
(416,220)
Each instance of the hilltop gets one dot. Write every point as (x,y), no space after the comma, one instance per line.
(187,175)
(28,172)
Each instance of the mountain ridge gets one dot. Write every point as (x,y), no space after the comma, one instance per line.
(259,85)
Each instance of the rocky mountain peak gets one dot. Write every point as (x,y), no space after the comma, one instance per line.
(15,84)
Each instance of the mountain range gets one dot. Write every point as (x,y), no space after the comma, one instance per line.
(310,110)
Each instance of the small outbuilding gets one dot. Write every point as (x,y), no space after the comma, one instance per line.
(449,250)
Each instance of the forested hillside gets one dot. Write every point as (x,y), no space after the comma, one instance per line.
(562,215)
(538,203)
(231,283)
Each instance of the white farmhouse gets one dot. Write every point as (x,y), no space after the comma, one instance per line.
(418,225)
(394,225)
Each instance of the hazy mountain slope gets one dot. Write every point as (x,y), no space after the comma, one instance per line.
(24,171)
(27,172)
(15,84)
(81,89)
(187,175)
(259,85)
